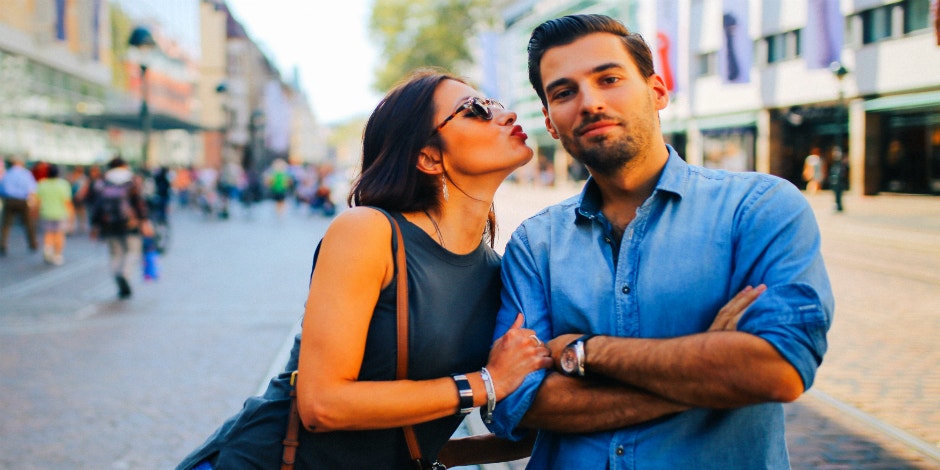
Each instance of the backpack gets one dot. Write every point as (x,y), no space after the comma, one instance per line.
(113,213)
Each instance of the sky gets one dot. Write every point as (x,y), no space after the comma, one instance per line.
(326,40)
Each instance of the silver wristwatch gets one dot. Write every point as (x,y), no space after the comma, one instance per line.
(573,357)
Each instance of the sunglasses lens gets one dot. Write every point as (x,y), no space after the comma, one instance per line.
(481,110)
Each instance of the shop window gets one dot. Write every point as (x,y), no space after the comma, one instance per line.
(707,64)
(876,24)
(729,149)
(776,48)
(916,15)
(783,46)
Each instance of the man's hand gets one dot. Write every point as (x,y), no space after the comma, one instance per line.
(728,316)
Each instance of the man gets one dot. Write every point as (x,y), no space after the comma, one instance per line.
(18,189)
(119,216)
(644,258)
(838,176)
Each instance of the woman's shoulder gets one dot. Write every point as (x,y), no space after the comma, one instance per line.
(359,225)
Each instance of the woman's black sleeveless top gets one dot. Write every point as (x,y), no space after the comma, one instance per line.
(453,300)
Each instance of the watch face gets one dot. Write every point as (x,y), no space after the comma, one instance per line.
(569,360)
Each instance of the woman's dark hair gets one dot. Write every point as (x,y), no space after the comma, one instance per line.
(399,128)
(567,29)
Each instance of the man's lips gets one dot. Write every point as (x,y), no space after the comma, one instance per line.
(596,127)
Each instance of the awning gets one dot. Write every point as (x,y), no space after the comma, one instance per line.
(930,99)
(159,121)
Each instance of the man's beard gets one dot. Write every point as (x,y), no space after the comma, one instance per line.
(602,154)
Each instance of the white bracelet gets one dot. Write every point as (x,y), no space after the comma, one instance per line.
(490,395)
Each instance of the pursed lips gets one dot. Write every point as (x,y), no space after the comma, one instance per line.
(518,132)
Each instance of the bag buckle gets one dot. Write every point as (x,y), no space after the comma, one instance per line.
(293,378)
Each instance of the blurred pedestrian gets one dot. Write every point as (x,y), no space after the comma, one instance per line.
(18,190)
(54,194)
(838,176)
(119,217)
(79,182)
(40,170)
(182,184)
(231,184)
(162,187)
(279,183)
(813,171)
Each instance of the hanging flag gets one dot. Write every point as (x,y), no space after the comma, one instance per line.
(667,28)
(822,37)
(734,57)
(936,19)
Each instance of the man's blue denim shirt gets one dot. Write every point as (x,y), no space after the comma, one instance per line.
(699,239)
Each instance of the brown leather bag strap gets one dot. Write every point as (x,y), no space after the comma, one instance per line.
(292,440)
(401,372)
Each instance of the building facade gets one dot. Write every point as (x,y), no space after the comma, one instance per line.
(251,113)
(758,84)
(55,65)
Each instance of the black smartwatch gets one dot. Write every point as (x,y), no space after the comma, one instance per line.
(573,357)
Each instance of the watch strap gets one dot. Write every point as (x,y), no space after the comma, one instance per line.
(581,353)
(465,392)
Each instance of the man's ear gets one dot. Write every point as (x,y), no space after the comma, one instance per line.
(549,125)
(659,91)
(430,161)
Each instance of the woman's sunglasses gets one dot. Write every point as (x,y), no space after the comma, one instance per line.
(478,107)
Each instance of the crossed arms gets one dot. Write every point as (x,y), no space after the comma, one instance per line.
(636,380)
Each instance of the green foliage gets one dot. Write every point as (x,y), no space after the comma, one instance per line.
(422,33)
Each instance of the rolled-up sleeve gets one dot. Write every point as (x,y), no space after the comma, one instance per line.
(779,244)
(523,292)
(793,320)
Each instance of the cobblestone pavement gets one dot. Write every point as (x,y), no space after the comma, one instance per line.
(87,382)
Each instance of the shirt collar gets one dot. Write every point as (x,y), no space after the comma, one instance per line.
(674,180)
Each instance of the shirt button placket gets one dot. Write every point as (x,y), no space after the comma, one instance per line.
(625,289)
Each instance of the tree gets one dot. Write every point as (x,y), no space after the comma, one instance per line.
(421,33)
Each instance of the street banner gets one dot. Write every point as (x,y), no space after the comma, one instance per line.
(735,56)
(667,37)
(935,7)
(823,35)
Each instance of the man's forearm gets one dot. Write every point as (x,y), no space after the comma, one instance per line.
(723,369)
(569,405)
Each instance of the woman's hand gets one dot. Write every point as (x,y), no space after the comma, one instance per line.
(514,355)
(728,316)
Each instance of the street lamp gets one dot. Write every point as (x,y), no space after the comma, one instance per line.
(840,72)
(142,42)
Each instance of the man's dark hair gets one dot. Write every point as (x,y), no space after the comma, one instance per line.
(116,162)
(567,29)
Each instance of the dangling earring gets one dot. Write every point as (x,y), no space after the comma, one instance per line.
(444,186)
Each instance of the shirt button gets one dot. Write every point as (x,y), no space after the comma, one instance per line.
(625,289)
(619,450)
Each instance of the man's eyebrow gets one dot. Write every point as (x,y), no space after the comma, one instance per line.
(600,68)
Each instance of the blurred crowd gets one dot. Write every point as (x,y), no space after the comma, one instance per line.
(50,202)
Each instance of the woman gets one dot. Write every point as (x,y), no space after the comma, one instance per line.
(434,153)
